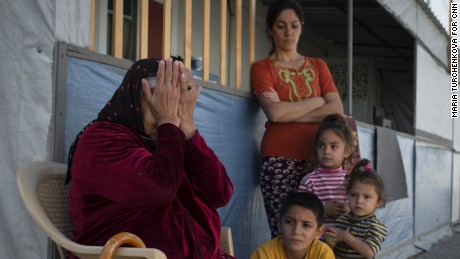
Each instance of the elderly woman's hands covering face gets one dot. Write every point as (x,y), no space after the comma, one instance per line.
(165,102)
(188,99)
(173,100)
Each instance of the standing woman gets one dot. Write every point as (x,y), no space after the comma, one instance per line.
(295,92)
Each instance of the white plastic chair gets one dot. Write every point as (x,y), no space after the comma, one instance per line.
(226,241)
(44,194)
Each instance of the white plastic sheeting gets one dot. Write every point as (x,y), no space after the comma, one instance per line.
(26,128)
(72,21)
(433,193)
(413,18)
(432,96)
(29,32)
(456,173)
(440,9)
(433,167)
(456,188)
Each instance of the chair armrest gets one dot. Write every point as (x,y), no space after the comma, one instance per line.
(226,241)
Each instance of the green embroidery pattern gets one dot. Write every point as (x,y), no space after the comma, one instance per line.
(309,75)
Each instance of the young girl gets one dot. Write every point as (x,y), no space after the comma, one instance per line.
(333,145)
(360,234)
(300,226)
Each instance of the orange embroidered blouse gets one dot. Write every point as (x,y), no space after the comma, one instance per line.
(314,79)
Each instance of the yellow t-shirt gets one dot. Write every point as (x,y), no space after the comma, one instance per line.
(273,249)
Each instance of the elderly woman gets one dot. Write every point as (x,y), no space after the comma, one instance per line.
(143,167)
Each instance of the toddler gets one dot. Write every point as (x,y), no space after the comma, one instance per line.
(360,234)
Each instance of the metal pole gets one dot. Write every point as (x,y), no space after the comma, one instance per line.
(350,58)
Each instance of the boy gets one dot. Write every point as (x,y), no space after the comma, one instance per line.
(301,225)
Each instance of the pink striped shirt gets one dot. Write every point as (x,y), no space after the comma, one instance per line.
(328,185)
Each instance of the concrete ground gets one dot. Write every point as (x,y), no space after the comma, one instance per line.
(447,247)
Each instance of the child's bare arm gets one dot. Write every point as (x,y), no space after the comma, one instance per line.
(354,242)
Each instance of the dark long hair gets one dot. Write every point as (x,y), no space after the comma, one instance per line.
(337,124)
(274,11)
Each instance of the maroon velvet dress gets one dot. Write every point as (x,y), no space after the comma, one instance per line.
(167,194)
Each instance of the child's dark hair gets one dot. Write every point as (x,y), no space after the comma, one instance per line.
(363,172)
(306,200)
(336,123)
(274,11)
